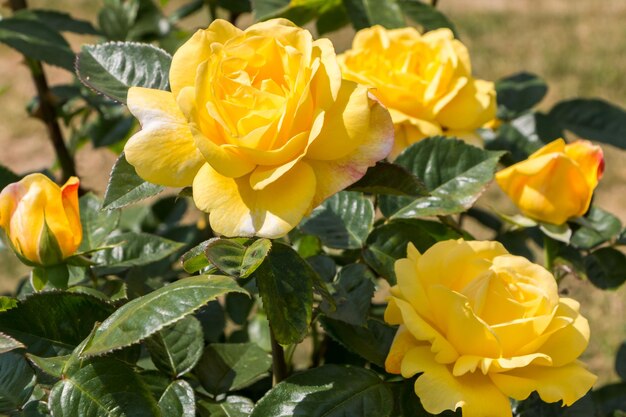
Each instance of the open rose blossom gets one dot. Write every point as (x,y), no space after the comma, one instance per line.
(479,325)
(41,219)
(425,81)
(261,123)
(556,182)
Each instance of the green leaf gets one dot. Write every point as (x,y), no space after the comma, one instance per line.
(213,321)
(285,284)
(41,321)
(134,249)
(176,349)
(7,343)
(387,178)
(59,21)
(342,221)
(195,259)
(36,41)
(226,367)
(620,361)
(7,177)
(232,406)
(235,259)
(598,226)
(300,13)
(236,6)
(17,380)
(354,289)
(52,366)
(97,224)
(560,232)
(332,19)
(455,173)
(178,400)
(102,387)
(366,13)
(329,391)
(593,119)
(33,409)
(605,268)
(238,306)
(112,68)
(388,242)
(425,15)
(126,187)
(147,315)
(371,342)
(519,93)
(610,400)
(117,17)
(517,137)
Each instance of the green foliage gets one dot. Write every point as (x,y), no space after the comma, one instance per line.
(17,380)
(126,187)
(176,349)
(178,400)
(518,94)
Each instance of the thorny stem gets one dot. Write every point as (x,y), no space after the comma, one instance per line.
(279,365)
(450,222)
(46,106)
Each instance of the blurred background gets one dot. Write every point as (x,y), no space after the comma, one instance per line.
(577,46)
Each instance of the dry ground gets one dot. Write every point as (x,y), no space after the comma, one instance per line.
(578,46)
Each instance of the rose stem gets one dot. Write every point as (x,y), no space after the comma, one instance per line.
(278,359)
(48,112)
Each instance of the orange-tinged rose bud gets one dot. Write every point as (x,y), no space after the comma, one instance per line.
(41,219)
(556,182)
(425,80)
(481,326)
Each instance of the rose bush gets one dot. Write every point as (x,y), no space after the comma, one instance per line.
(41,219)
(425,80)
(262,124)
(481,325)
(556,182)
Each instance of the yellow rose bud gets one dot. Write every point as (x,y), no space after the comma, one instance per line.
(425,80)
(556,182)
(480,326)
(261,123)
(41,219)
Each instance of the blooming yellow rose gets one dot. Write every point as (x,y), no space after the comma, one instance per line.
(41,219)
(481,325)
(261,123)
(556,182)
(425,81)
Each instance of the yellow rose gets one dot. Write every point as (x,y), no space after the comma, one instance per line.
(261,123)
(425,81)
(481,325)
(41,219)
(556,182)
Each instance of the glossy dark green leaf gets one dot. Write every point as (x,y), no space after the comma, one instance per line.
(226,367)
(235,259)
(232,406)
(510,137)
(102,387)
(147,315)
(300,13)
(533,406)
(371,342)
(332,19)
(329,391)
(455,173)
(112,68)
(117,17)
(605,268)
(36,41)
(254,256)
(387,178)
(598,227)
(7,343)
(41,321)
(425,15)
(178,400)
(342,221)
(353,291)
(33,409)
(236,6)
(213,321)
(366,13)
(519,93)
(97,223)
(592,119)
(620,361)
(7,177)
(17,380)
(134,249)
(195,259)
(388,242)
(59,21)
(176,349)
(285,284)
(610,400)
(126,187)
(238,306)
